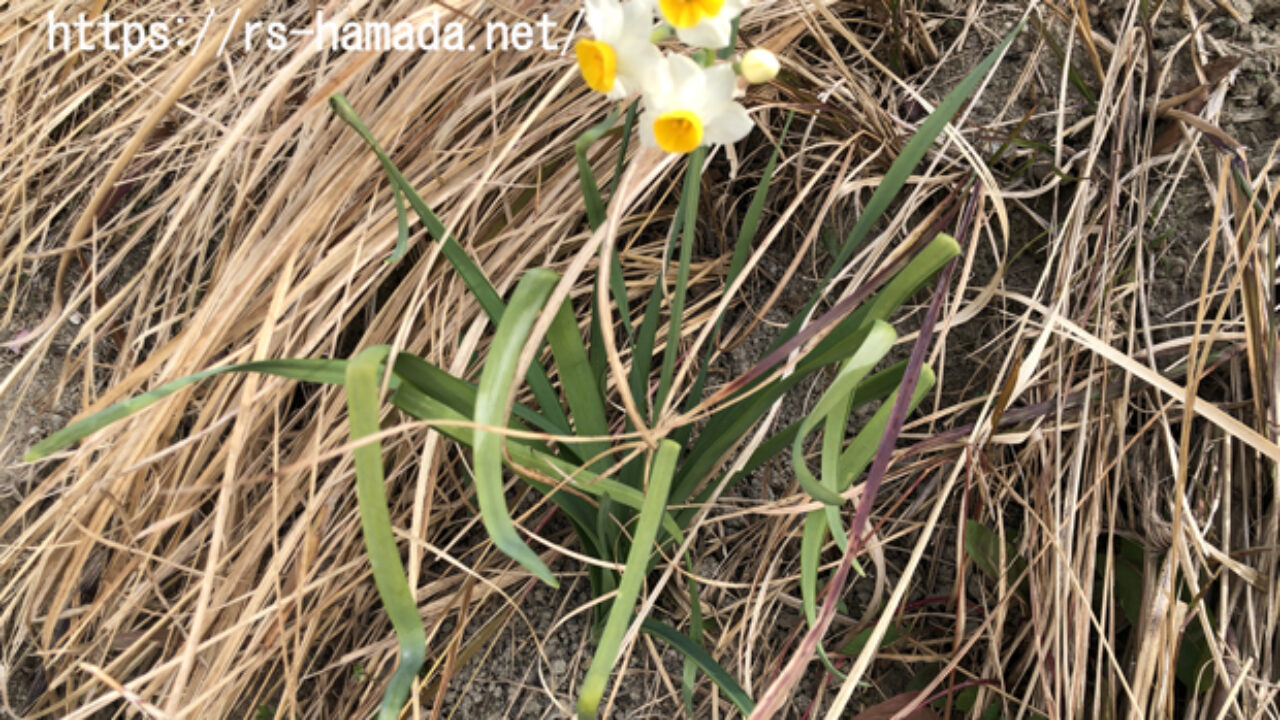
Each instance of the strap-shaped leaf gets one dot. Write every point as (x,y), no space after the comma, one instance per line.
(585,401)
(851,463)
(586,176)
(491,413)
(375,521)
(705,662)
(331,372)
(637,567)
(467,269)
(689,210)
(877,344)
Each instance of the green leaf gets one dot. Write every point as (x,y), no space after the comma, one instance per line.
(637,567)
(472,276)
(862,449)
(741,251)
(491,412)
(811,541)
(994,558)
(460,394)
(627,126)
(850,464)
(402,226)
(375,521)
(900,171)
(730,423)
(689,209)
(332,372)
(703,659)
(688,677)
(585,401)
(879,341)
(586,176)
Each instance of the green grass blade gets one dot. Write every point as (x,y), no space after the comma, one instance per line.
(741,251)
(637,567)
(862,449)
(331,372)
(906,283)
(472,276)
(705,662)
(839,344)
(751,221)
(586,176)
(689,677)
(375,520)
(689,209)
(900,171)
(814,535)
(460,395)
(580,388)
(850,464)
(627,126)
(875,387)
(879,341)
(402,226)
(642,352)
(618,287)
(730,423)
(491,412)
(528,455)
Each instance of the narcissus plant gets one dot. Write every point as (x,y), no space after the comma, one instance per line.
(619,59)
(688,13)
(691,106)
(686,104)
(713,30)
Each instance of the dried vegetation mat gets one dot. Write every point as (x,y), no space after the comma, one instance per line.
(1081,520)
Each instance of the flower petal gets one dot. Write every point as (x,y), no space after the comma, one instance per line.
(726,123)
(605,18)
(640,65)
(647,118)
(720,84)
(711,33)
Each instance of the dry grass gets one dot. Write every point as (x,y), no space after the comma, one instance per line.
(204,559)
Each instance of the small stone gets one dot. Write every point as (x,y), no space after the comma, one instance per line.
(558,666)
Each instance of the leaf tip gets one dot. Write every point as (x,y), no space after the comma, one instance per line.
(947,242)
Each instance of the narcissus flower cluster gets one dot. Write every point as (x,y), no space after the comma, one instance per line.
(686,103)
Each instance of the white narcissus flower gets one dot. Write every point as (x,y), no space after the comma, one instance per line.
(687,13)
(690,106)
(713,30)
(620,59)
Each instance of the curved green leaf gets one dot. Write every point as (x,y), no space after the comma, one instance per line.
(637,567)
(877,344)
(491,412)
(330,372)
(375,521)
(703,659)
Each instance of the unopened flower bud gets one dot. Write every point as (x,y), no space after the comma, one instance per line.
(759,65)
